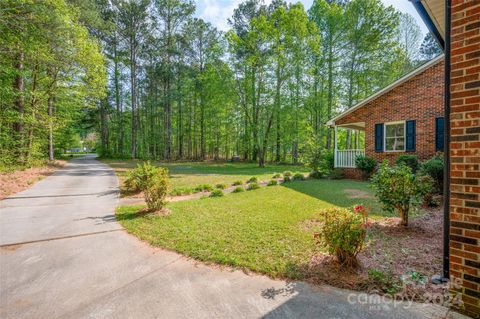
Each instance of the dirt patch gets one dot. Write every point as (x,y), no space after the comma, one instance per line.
(356,193)
(17,181)
(399,259)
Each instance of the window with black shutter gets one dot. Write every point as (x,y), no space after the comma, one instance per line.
(379,137)
(439,134)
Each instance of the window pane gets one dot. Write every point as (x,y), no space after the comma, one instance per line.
(400,128)
(389,144)
(395,130)
(400,144)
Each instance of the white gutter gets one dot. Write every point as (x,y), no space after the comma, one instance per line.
(388,88)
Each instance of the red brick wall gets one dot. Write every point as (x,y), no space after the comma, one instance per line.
(465,151)
(421,98)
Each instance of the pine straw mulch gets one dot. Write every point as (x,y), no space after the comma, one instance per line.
(19,180)
(400,260)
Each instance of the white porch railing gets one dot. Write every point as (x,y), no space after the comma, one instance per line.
(346,158)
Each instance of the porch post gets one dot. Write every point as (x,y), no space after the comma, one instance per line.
(335,137)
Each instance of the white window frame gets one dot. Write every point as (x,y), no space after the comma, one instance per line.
(385,136)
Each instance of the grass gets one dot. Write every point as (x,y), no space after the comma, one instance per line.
(263,230)
(190,175)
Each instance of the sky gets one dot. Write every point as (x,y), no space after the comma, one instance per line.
(218,11)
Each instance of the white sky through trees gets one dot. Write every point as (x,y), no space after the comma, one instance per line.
(218,11)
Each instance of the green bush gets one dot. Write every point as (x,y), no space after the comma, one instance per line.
(398,189)
(204,188)
(298,177)
(236,183)
(272,183)
(238,189)
(253,186)
(181,191)
(315,175)
(287,174)
(434,168)
(343,233)
(336,173)
(287,179)
(365,164)
(426,185)
(253,179)
(409,160)
(216,193)
(152,181)
(277,176)
(221,186)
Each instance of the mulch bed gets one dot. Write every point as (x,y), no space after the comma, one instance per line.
(19,180)
(405,257)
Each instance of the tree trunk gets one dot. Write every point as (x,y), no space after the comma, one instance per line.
(133,85)
(19,88)
(50,128)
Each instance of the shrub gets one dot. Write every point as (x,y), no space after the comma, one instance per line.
(236,183)
(426,186)
(315,175)
(253,186)
(152,181)
(397,188)
(409,160)
(272,183)
(238,189)
(277,176)
(253,179)
(384,280)
(343,233)
(181,191)
(216,193)
(204,188)
(287,179)
(336,173)
(298,177)
(287,174)
(221,186)
(434,168)
(366,164)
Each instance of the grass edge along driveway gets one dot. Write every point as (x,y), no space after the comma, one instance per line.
(269,230)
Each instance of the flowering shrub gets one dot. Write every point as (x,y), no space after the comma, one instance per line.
(344,233)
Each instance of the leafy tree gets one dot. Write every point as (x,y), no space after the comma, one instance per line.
(429,48)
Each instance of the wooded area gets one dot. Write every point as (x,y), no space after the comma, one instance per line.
(156,82)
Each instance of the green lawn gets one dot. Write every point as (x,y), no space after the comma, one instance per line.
(268,230)
(185,175)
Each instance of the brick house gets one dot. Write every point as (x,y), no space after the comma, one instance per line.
(406,117)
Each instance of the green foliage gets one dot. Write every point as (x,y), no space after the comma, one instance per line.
(343,234)
(277,176)
(315,175)
(287,174)
(409,160)
(216,193)
(272,183)
(434,167)
(253,179)
(221,186)
(336,173)
(366,164)
(236,183)
(287,179)
(252,186)
(298,177)
(238,189)
(181,191)
(152,181)
(204,188)
(398,189)
(384,280)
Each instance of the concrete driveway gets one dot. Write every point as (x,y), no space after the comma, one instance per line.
(63,255)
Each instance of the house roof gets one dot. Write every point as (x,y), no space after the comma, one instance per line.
(432,13)
(388,88)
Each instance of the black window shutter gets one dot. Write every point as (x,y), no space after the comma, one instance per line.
(379,137)
(410,136)
(439,133)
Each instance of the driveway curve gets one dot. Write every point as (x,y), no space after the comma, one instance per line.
(63,255)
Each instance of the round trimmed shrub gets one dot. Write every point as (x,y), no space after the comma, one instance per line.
(221,186)
(409,160)
(216,193)
(236,183)
(253,179)
(272,183)
(298,177)
(253,186)
(434,168)
(366,165)
(277,176)
(238,189)
(287,174)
